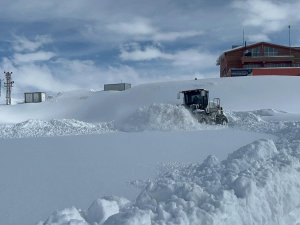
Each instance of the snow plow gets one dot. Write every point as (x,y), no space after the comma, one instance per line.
(205,111)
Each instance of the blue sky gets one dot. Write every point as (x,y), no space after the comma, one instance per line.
(63,45)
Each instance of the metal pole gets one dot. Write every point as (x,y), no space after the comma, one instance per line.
(290,39)
(243,36)
(8,84)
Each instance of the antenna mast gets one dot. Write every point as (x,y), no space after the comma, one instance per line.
(243,36)
(290,38)
(8,84)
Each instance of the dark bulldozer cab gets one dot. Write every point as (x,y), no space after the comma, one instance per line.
(198,98)
(197,102)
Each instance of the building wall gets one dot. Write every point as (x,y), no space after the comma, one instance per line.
(34,97)
(117,87)
(235,58)
(276,71)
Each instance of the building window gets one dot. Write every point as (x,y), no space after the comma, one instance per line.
(270,65)
(270,51)
(255,52)
(250,66)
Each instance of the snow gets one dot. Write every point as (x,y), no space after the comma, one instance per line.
(102,209)
(41,128)
(257,184)
(162,117)
(69,216)
(41,175)
(237,94)
(60,155)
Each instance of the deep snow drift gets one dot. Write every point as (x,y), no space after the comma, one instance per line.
(257,184)
(156,117)
(116,138)
(237,94)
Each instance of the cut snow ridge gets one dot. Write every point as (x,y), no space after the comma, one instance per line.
(40,128)
(257,184)
(159,117)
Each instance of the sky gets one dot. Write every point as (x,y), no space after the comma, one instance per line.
(62,45)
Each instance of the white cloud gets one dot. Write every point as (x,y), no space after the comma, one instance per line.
(258,38)
(22,43)
(270,15)
(66,75)
(141,29)
(35,69)
(187,58)
(86,74)
(30,77)
(194,58)
(33,57)
(136,27)
(32,71)
(172,36)
(39,77)
(139,54)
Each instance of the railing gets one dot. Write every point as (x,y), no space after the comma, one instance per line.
(282,58)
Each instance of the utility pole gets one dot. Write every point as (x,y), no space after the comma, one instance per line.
(8,84)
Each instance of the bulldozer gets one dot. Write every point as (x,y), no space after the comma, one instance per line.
(205,111)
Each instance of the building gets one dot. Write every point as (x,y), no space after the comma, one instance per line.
(117,87)
(260,59)
(34,97)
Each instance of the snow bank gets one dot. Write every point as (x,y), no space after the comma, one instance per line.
(159,117)
(40,128)
(103,208)
(163,117)
(257,184)
(97,213)
(237,94)
(71,216)
(252,120)
(259,121)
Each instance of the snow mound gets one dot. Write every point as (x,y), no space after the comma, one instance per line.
(41,128)
(164,117)
(103,208)
(70,216)
(267,112)
(257,184)
(255,121)
(251,120)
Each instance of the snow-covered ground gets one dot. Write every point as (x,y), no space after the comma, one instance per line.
(80,146)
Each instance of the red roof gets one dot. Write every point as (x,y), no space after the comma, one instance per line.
(261,43)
